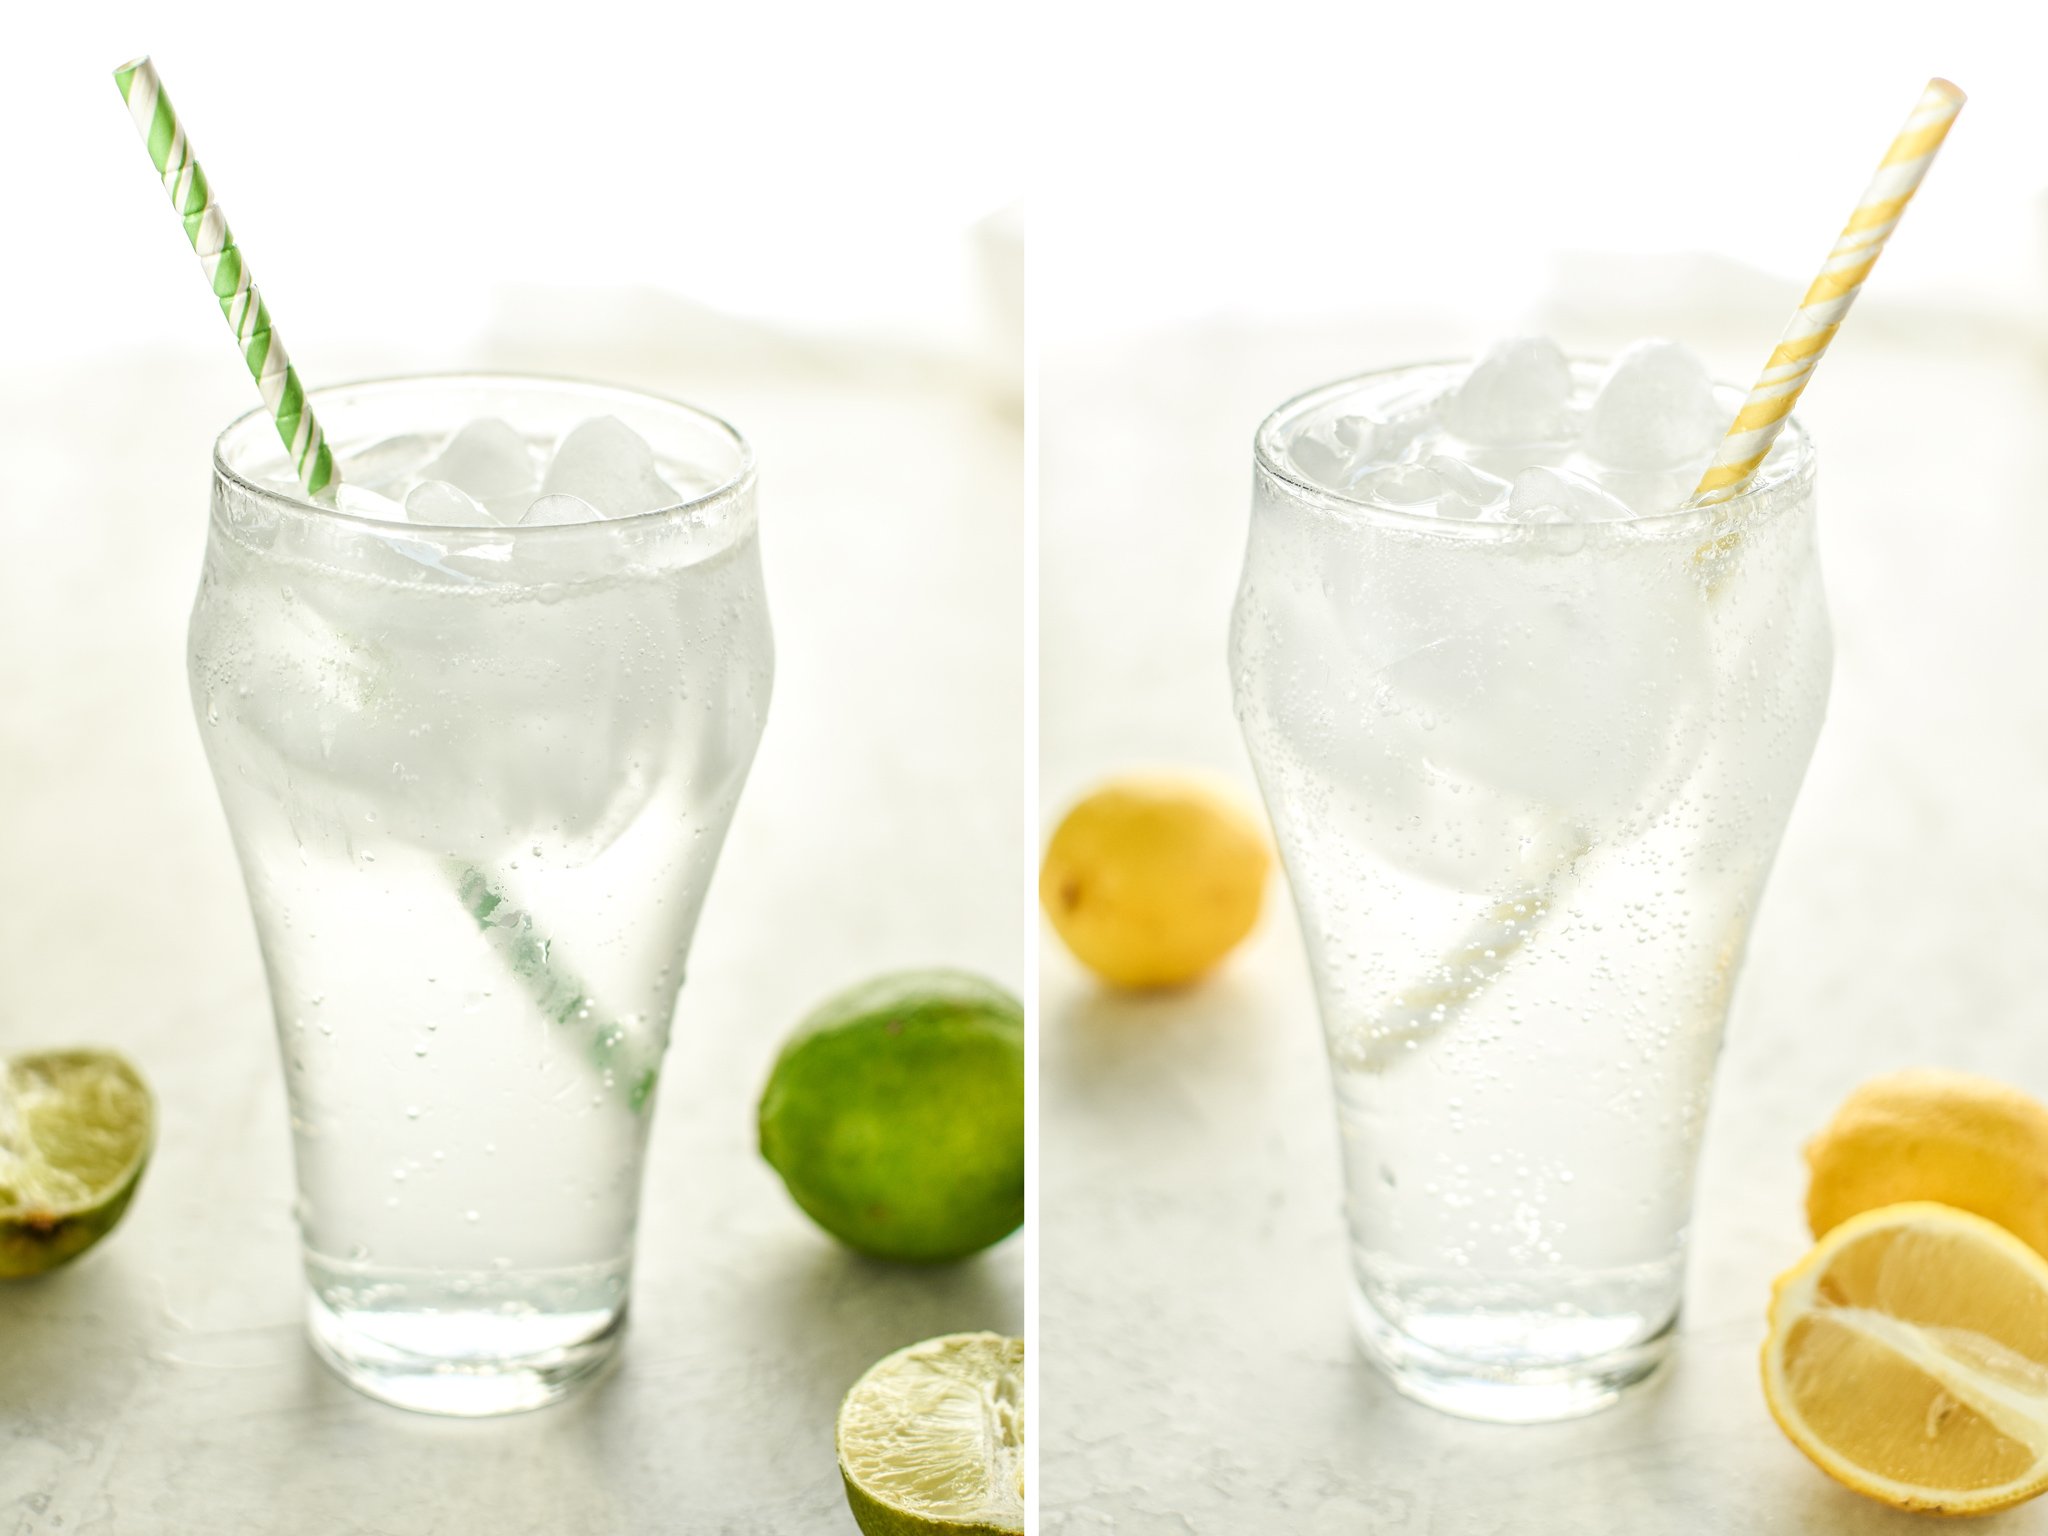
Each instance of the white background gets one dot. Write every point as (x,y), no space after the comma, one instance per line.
(402,166)
(1298,159)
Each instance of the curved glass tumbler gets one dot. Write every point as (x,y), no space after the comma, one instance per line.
(477,778)
(1527,781)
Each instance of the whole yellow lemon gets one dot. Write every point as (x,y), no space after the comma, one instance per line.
(1153,878)
(1926,1134)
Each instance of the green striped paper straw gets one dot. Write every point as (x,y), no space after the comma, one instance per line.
(511,933)
(555,991)
(207,228)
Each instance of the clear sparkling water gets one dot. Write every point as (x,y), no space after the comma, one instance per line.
(1529,743)
(477,789)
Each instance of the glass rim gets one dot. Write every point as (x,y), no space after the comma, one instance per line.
(1271,460)
(733,486)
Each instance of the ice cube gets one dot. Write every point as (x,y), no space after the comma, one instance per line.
(610,466)
(1340,453)
(1357,435)
(444,505)
(359,502)
(1468,492)
(1655,409)
(391,556)
(1554,530)
(1539,490)
(387,465)
(1518,393)
(560,508)
(1401,485)
(1649,492)
(1395,438)
(1319,457)
(492,462)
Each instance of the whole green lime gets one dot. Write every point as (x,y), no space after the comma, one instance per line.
(895,1114)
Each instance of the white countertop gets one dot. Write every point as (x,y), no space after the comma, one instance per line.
(161,1384)
(1198,1377)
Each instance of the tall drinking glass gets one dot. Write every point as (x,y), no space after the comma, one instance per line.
(1527,781)
(477,778)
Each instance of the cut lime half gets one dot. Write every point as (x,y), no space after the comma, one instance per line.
(76,1129)
(931,1440)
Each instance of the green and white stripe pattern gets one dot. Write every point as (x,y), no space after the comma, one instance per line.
(561,998)
(616,1052)
(207,228)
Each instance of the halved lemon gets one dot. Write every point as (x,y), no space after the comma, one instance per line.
(1908,1358)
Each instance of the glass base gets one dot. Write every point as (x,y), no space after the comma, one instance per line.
(1505,1391)
(467,1383)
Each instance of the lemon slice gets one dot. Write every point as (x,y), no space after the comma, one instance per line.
(931,1440)
(75,1134)
(1908,1358)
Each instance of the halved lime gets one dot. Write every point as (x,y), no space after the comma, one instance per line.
(76,1129)
(931,1440)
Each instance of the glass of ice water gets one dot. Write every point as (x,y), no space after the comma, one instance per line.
(1529,731)
(478,730)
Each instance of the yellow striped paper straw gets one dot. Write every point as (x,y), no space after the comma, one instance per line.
(1820,313)
(228,275)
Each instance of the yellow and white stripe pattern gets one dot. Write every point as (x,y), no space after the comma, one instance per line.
(1820,313)
(228,275)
